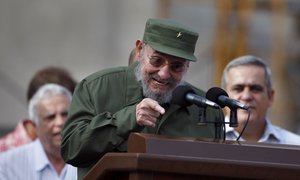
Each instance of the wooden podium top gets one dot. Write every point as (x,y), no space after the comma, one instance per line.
(231,150)
(159,157)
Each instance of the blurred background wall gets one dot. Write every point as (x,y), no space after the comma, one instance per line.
(86,36)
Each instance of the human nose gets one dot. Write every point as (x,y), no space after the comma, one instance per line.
(60,120)
(246,94)
(164,72)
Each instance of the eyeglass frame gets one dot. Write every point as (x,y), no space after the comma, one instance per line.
(165,61)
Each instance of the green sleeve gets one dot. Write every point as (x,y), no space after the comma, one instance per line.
(87,136)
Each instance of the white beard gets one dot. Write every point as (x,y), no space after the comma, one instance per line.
(161,99)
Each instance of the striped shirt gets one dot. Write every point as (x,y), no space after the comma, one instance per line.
(28,162)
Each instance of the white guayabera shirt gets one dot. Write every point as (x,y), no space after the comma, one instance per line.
(28,162)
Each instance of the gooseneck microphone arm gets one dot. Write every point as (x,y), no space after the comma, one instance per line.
(220,97)
(185,96)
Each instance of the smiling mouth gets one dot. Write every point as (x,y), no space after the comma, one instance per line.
(161,83)
(56,134)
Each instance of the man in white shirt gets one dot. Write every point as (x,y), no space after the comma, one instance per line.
(41,159)
(248,80)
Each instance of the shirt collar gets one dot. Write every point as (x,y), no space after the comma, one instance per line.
(40,159)
(270,133)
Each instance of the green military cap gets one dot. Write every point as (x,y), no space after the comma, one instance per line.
(170,37)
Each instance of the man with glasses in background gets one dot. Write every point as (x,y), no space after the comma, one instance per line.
(110,104)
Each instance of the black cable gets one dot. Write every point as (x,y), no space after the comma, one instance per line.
(249,112)
(223,123)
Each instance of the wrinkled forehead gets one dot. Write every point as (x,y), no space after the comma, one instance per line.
(247,74)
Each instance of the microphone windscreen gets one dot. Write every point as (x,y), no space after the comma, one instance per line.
(214,93)
(179,95)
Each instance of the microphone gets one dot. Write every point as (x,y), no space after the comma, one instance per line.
(185,96)
(220,96)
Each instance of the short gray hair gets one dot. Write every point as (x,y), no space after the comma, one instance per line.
(45,91)
(244,61)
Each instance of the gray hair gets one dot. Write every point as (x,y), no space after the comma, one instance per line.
(244,61)
(45,91)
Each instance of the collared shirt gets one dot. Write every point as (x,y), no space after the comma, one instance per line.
(28,162)
(272,134)
(15,138)
(71,173)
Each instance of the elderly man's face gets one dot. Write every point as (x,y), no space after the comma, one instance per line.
(161,73)
(53,111)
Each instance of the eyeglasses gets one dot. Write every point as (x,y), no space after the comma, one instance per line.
(159,62)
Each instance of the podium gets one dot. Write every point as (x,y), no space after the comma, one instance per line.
(156,157)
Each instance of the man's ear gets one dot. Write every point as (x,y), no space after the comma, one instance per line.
(271,97)
(139,47)
(30,128)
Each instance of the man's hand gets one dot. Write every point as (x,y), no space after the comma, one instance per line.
(147,112)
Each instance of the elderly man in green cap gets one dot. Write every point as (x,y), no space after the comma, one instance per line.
(110,104)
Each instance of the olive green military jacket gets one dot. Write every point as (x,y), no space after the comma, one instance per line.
(102,115)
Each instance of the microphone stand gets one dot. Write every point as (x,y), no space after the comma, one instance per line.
(218,129)
(202,116)
(218,122)
(233,118)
